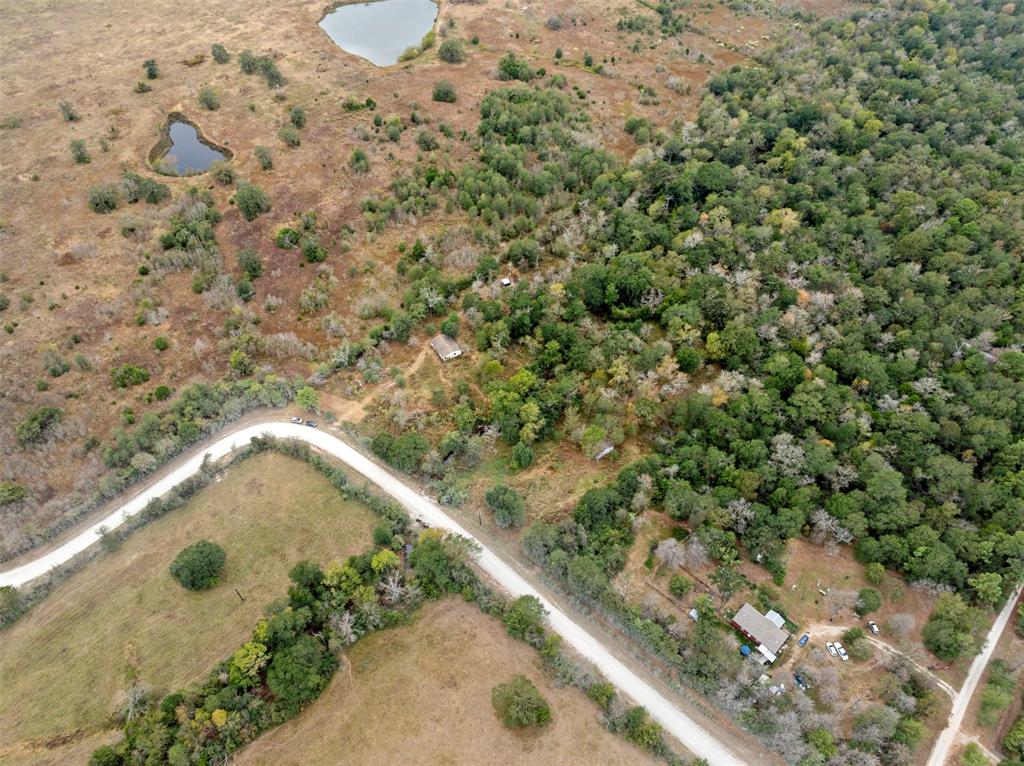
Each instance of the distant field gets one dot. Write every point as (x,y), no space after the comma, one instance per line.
(421,694)
(63,664)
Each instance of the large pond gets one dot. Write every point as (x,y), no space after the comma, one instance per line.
(187,153)
(380,31)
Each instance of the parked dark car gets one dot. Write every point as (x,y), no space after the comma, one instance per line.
(803,640)
(311,423)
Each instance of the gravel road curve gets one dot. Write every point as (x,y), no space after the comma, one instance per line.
(694,737)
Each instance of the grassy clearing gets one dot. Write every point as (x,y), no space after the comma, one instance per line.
(62,666)
(422,694)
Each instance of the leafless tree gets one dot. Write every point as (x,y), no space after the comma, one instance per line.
(133,701)
(828,532)
(696,553)
(901,624)
(670,552)
(392,586)
(343,627)
(741,512)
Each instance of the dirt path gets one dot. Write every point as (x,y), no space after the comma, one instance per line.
(516,581)
(948,737)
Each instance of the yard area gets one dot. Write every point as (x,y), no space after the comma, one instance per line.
(422,694)
(63,665)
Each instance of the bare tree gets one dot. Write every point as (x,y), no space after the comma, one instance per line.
(742,513)
(671,552)
(343,627)
(901,624)
(839,599)
(827,531)
(134,701)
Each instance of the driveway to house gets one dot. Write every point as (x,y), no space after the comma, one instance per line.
(949,735)
(692,735)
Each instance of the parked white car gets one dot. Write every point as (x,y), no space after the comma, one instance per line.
(842,652)
(831,649)
(296,420)
(873,627)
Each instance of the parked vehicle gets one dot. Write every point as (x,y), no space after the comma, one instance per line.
(799,679)
(842,652)
(803,640)
(297,420)
(873,626)
(311,423)
(831,649)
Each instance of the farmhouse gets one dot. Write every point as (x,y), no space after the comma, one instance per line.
(764,630)
(446,347)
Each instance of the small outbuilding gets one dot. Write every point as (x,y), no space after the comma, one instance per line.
(446,347)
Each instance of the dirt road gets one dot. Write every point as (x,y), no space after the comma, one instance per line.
(677,723)
(949,735)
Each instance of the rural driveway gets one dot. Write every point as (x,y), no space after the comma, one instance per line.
(691,734)
(948,737)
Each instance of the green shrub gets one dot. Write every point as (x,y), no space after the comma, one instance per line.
(33,429)
(199,566)
(222,172)
(151,69)
(523,619)
(312,251)
(220,53)
(426,141)
(264,157)
(162,393)
(451,52)
(208,99)
(297,117)
(11,493)
(249,262)
(252,201)
(128,375)
(868,600)
(507,505)
(68,112)
(160,343)
(290,136)
(511,68)
(519,704)
(78,152)
(444,91)
(679,586)
(135,187)
(287,238)
(359,162)
(244,289)
(104,198)
(141,87)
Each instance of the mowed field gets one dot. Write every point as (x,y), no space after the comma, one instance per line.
(421,694)
(63,665)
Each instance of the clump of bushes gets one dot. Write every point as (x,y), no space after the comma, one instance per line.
(135,187)
(78,152)
(297,117)
(209,99)
(34,428)
(128,375)
(290,136)
(151,69)
(220,53)
(252,201)
(222,172)
(11,493)
(359,162)
(199,566)
(511,68)
(507,505)
(104,198)
(519,704)
(444,91)
(262,65)
(264,157)
(451,52)
(403,453)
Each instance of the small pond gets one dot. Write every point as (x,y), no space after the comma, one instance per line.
(380,31)
(187,153)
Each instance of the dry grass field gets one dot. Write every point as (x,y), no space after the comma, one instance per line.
(122,616)
(422,694)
